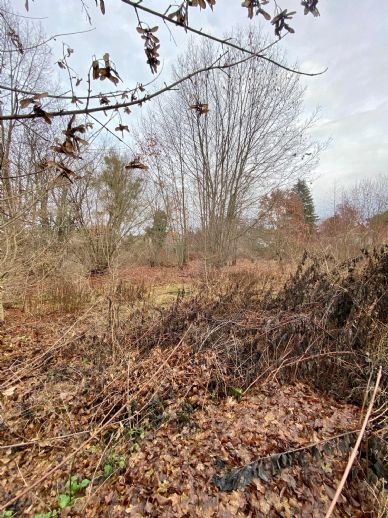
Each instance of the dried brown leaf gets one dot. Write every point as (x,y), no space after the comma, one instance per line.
(266,15)
(122,128)
(41,113)
(96,69)
(137,164)
(26,102)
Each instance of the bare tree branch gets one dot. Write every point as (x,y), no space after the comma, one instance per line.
(118,93)
(40,44)
(227,42)
(136,102)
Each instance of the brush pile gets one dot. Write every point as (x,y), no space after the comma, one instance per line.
(328,326)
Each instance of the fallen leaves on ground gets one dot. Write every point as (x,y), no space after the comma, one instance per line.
(189,435)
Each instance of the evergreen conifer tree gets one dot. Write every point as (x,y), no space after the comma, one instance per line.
(303,191)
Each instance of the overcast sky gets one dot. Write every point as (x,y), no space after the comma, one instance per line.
(350,38)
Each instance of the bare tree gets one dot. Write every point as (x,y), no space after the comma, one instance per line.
(24,145)
(243,136)
(369,196)
(20,141)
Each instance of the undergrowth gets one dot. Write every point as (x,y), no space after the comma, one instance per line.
(139,371)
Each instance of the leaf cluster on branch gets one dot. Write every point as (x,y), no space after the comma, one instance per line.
(71,145)
(61,168)
(15,39)
(32,100)
(106,72)
(310,6)
(180,16)
(136,164)
(200,108)
(151,46)
(280,22)
(251,5)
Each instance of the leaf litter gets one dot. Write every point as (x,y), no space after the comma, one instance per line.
(174,402)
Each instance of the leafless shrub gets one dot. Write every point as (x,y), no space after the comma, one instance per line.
(58,294)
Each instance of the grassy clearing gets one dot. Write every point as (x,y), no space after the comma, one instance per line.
(166,294)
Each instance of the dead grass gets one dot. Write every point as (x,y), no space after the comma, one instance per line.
(58,294)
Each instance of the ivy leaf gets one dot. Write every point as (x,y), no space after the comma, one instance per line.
(64,500)
(84,483)
(108,470)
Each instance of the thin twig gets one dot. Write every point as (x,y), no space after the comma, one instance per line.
(355,449)
(33,47)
